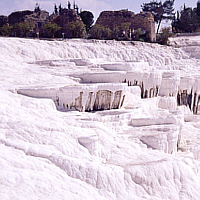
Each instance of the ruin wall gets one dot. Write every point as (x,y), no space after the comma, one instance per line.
(144,20)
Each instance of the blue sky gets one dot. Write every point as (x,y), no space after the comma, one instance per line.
(96,6)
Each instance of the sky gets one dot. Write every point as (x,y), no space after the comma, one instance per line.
(95,6)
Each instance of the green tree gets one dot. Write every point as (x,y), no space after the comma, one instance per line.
(115,32)
(77,9)
(15,30)
(5,30)
(76,29)
(25,28)
(189,21)
(198,8)
(161,11)
(60,8)
(106,33)
(186,20)
(69,5)
(87,18)
(37,8)
(96,32)
(55,9)
(21,29)
(51,29)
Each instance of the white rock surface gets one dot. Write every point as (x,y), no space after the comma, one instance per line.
(48,154)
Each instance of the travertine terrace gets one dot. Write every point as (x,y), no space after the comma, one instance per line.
(89,119)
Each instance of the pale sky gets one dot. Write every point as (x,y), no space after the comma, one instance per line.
(95,6)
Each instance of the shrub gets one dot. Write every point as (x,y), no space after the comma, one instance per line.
(164,35)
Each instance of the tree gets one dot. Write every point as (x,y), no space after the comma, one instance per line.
(60,9)
(101,32)
(55,9)
(106,33)
(76,29)
(15,30)
(77,9)
(87,18)
(168,9)
(188,21)
(198,8)
(37,8)
(115,32)
(5,30)
(178,15)
(161,11)
(25,28)
(51,29)
(96,31)
(69,5)
(21,29)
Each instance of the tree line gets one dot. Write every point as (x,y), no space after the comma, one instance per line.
(50,29)
(185,20)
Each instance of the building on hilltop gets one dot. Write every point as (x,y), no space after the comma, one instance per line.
(64,18)
(37,18)
(40,17)
(143,20)
(18,17)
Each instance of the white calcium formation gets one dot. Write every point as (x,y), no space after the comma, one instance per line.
(89,119)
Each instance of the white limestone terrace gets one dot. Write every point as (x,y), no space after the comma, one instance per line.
(91,97)
(48,154)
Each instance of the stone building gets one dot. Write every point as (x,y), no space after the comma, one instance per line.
(143,20)
(18,17)
(37,18)
(40,17)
